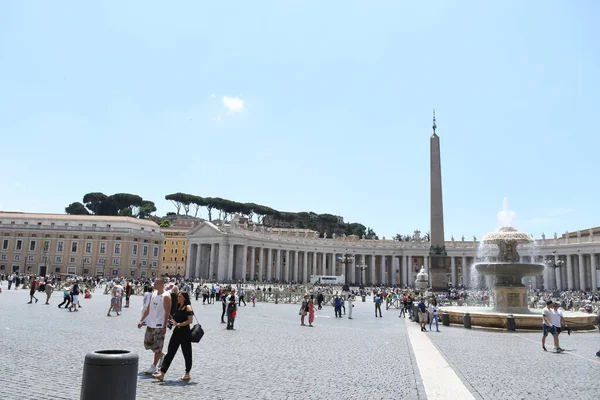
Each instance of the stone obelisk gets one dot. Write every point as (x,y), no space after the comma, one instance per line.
(437,252)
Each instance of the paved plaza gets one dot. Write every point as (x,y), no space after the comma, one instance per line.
(270,356)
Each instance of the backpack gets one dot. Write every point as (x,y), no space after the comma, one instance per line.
(338,302)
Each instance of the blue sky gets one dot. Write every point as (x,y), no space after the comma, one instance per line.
(301,105)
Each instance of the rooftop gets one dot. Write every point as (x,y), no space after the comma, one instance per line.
(16,215)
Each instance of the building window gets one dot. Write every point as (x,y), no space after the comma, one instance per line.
(74,246)
(3,257)
(132,273)
(134,251)
(117,248)
(145,251)
(144,263)
(102,260)
(155,254)
(60,246)
(72,260)
(164,258)
(87,260)
(71,271)
(5,244)
(31,258)
(46,245)
(88,248)
(154,264)
(19,245)
(115,272)
(116,261)
(17,257)
(102,248)
(32,245)
(133,263)
(59,259)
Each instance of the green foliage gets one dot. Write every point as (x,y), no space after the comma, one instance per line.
(76,209)
(165,223)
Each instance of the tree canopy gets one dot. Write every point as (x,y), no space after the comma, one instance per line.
(123,204)
(324,223)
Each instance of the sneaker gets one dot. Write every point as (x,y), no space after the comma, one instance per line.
(152,370)
(543,347)
(598,354)
(559,350)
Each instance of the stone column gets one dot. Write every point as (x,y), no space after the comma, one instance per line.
(190,262)
(315,262)
(288,265)
(230,262)
(213,261)
(404,279)
(465,271)
(222,263)
(569,273)
(244,262)
(261,263)
(277,272)
(426,263)
(198,261)
(593,271)
(557,274)
(305,267)
(269,264)
(372,268)
(581,272)
(295,278)
(382,271)
(252,263)
(453,277)
(324,263)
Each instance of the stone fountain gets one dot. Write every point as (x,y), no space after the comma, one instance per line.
(510,294)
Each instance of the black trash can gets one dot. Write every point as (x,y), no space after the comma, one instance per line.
(110,374)
(467,320)
(446,318)
(511,326)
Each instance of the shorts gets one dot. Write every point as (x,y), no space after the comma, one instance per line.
(154,340)
(558,330)
(114,300)
(549,329)
(75,299)
(422,317)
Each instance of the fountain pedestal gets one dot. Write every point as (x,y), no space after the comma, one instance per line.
(510,299)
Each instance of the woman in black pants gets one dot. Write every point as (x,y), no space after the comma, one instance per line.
(182,319)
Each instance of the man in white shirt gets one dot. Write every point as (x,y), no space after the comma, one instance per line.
(558,321)
(156,317)
(549,327)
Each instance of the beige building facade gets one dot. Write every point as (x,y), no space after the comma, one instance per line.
(84,245)
(173,256)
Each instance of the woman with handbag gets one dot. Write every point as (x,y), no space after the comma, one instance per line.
(182,318)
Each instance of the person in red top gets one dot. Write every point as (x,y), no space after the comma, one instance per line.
(32,290)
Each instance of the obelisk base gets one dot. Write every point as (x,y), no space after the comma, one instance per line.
(438,273)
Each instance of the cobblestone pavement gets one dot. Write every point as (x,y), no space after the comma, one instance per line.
(504,365)
(268,356)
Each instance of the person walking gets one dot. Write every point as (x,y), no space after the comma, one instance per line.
(32,290)
(114,302)
(433,314)
(422,315)
(350,305)
(74,297)
(128,293)
(181,337)
(224,306)
(66,298)
(253,297)
(156,317)
(558,321)
(49,288)
(548,327)
(337,305)
(242,293)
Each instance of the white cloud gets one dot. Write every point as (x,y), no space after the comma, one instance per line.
(233,104)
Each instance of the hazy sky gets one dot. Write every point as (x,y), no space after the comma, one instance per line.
(300,105)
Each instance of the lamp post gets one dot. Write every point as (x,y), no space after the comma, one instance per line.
(553,264)
(346,259)
(361,267)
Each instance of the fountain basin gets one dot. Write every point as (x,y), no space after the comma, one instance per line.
(530,320)
(509,273)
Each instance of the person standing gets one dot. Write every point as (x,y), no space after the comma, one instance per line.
(231,310)
(253,297)
(11,277)
(337,304)
(32,290)
(74,296)
(320,299)
(558,321)
(114,302)
(224,306)
(548,327)
(311,310)
(181,320)
(156,317)
(242,293)
(303,310)
(350,305)
(433,314)
(128,293)
(378,301)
